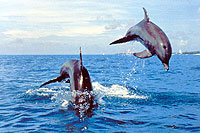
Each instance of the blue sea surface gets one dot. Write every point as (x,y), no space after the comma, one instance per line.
(131,94)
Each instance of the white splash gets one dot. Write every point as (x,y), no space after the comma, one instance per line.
(40,91)
(61,96)
(115,90)
(43,91)
(65,103)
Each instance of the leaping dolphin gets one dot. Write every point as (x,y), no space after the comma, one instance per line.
(152,37)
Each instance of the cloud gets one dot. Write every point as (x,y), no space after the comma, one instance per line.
(44,18)
(87,30)
(183,42)
(113,25)
(60,11)
(74,31)
(61,21)
(116,25)
(25,34)
(41,16)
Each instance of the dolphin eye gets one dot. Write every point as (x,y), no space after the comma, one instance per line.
(164,47)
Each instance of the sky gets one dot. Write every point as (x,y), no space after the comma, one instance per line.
(45,27)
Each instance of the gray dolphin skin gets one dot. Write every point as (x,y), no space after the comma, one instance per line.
(78,75)
(152,37)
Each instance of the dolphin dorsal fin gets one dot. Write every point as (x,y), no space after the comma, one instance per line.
(81,63)
(146,17)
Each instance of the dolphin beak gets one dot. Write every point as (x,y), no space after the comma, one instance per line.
(166,66)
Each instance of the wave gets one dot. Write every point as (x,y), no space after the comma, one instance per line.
(63,96)
(116,91)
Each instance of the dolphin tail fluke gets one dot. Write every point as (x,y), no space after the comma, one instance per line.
(125,39)
(146,17)
(81,63)
(143,54)
(58,79)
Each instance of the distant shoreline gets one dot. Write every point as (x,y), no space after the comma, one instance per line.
(175,53)
(194,52)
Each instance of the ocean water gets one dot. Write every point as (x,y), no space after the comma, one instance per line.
(130,95)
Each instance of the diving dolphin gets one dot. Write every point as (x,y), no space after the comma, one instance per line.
(78,75)
(80,85)
(152,37)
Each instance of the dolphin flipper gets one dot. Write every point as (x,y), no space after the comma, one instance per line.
(58,79)
(127,38)
(143,54)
